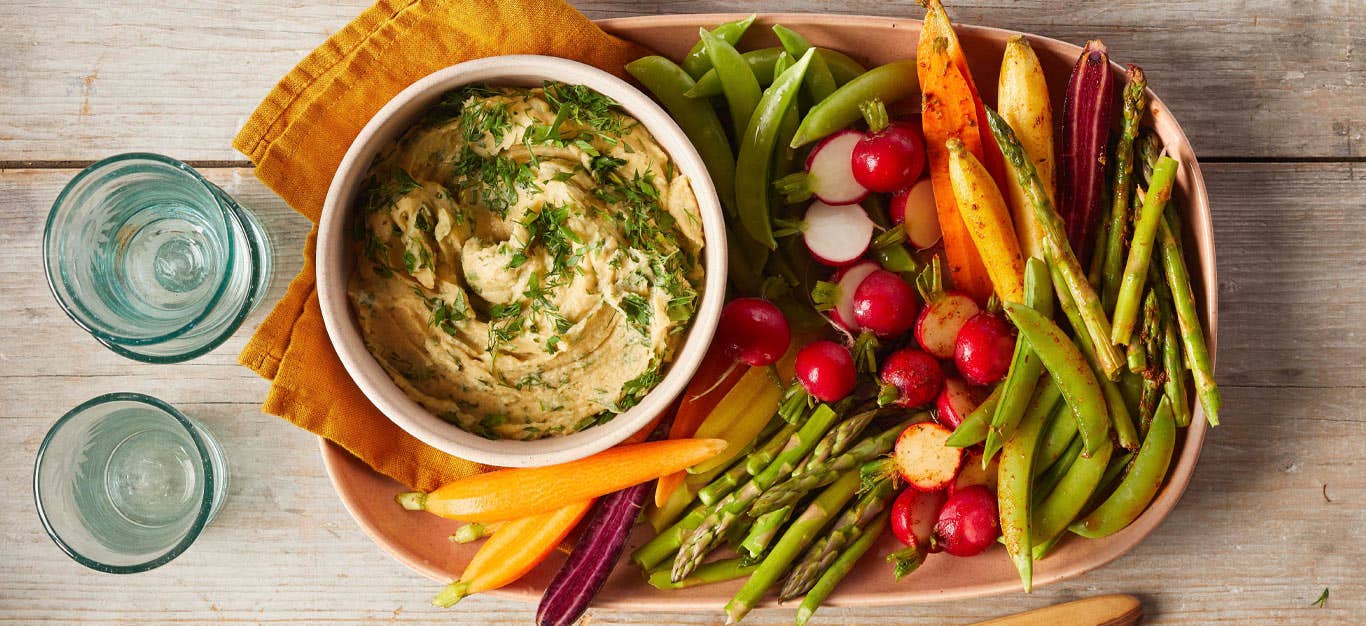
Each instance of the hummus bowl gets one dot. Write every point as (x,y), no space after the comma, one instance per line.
(338,255)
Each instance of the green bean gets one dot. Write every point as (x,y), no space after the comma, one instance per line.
(1025,367)
(697,118)
(1070,371)
(738,83)
(697,62)
(760,62)
(1013,483)
(820,83)
(1176,374)
(754,167)
(891,82)
(1066,500)
(1188,322)
(1060,433)
(973,429)
(1140,485)
(1048,477)
(1141,250)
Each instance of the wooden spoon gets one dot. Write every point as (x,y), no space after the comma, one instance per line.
(1112,610)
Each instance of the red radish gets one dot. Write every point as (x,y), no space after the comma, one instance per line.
(956,401)
(753,331)
(885,304)
(830,172)
(943,315)
(968,522)
(847,279)
(984,348)
(922,458)
(913,516)
(890,159)
(909,378)
(826,370)
(973,474)
(915,210)
(836,235)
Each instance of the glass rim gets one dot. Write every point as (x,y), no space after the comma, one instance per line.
(123,345)
(206,501)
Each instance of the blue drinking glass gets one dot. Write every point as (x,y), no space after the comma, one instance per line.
(124,482)
(154,261)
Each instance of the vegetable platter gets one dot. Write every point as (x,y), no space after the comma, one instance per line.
(1083,106)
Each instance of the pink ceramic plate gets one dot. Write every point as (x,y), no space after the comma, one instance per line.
(419,540)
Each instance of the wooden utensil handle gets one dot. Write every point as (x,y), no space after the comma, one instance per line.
(1111,610)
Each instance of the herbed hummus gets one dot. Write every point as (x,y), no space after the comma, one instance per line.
(528,260)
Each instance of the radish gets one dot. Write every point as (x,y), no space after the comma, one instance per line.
(847,279)
(836,234)
(889,159)
(915,210)
(973,473)
(884,304)
(829,173)
(909,378)
(922,458)
(913,516)
(968,522)
(826,370)
(956,401)
(753,331)
(943,315)
(984,348)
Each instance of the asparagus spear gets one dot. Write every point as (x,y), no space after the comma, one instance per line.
(705,574)
(1056,249)
(1153,375)
(1135,99)
(749,466)
(764,530)
(1141,249)
(834,443)
(840,568)
(791,490)
(666,543)
(724,514)
(1175,386)
(1188,322)
(798,536)
(848,528)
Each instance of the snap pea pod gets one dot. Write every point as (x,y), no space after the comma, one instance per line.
(697,62)
(760,62)
(1070,371)
(1025,367)
(1107,480)
(1064,503)
(754,167)
(843,67)
(1013,479)
(973,429)
(891,82)
(820,83)
(697,118)
(1060,433)
(738,83)
(1188,322)
(1140,485)
(785,157)
(1049,477)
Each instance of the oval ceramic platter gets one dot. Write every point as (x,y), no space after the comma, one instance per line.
(420,541)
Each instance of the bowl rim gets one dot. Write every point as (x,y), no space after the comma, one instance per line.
(332,266)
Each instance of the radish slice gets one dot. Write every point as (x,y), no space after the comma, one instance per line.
(956,401)
(847,281)
(830,171)
(940,320)
(913,516)
(973,473)
(922,458)
(837,235)
(915,210)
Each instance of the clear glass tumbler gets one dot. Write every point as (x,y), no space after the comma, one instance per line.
(157,263)
(124,482)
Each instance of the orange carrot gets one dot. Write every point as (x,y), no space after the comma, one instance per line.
(714,378)
(514,493)
(938,25)
(512,551)
(948,112)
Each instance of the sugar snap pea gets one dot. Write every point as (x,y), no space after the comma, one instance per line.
(1059,434)
(1014,477)
(820,83)
(1025,367)
(738,83)
(1107,480)
(1070,371)
(889,83)
(667,81)
(1066,500)
(1049,477)
(842,66)
(760,62)
(1140,485)
(754,167)
(697,62)
(973,429)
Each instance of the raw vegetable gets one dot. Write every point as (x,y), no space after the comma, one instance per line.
(715,377)
(517,493)
(1140,485)
(890,157)
(1135,100)
(705,574)
(836,235)
(763,531)
(754,165)
(739,417)
(843,531)
(984,347)
(760,62)
(943,315)
(738,83)
(1188,321)
(888,83)
(1022,99)
(1175,386)
(825,370)
(922,458)
(1070,372)
(829,460)
(839,569)
(697,62)
(820,83)
(595,554)
(1086,110)
(752,331)
(884,304)
(1025,367)
(968,522)
(914,208)
(517,548)
(972,430)
(1059,434)
(955,402)
(847,280)
(909,378)
(1065,501)
(914,513)
(1014,477)
(1141,250)
(829,173)
(988,222)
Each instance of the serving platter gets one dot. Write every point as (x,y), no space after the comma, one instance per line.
(419,541)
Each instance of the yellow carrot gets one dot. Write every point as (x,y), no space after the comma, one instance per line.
(512,551)
(716,376)
(988,221)
(740,416)
(516,493)
(1022,100)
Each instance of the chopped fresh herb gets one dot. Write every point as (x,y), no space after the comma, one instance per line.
(637,311)
(586,107)
(632,391)
(506,310)
(1323,599)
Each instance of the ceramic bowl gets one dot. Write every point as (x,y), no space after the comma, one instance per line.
(336,258)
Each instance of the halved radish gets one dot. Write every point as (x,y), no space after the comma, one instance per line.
(956,401)
(913,516)
(973,473)
(829,173)
(885,304)
(915,210)
(943,314)
(968,522)
(984,347)
(847,279)
(836,234)
(923,459)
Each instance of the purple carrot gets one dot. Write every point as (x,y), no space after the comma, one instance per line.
(1086,111)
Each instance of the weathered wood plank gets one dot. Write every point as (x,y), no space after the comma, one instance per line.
(1256,78)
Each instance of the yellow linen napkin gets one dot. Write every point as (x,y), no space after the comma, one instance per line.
(297,137)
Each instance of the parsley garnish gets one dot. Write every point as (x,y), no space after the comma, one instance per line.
(637,311)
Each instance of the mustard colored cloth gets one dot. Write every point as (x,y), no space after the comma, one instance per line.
(297,138)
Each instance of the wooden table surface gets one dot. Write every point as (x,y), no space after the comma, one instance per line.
(1270,93)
